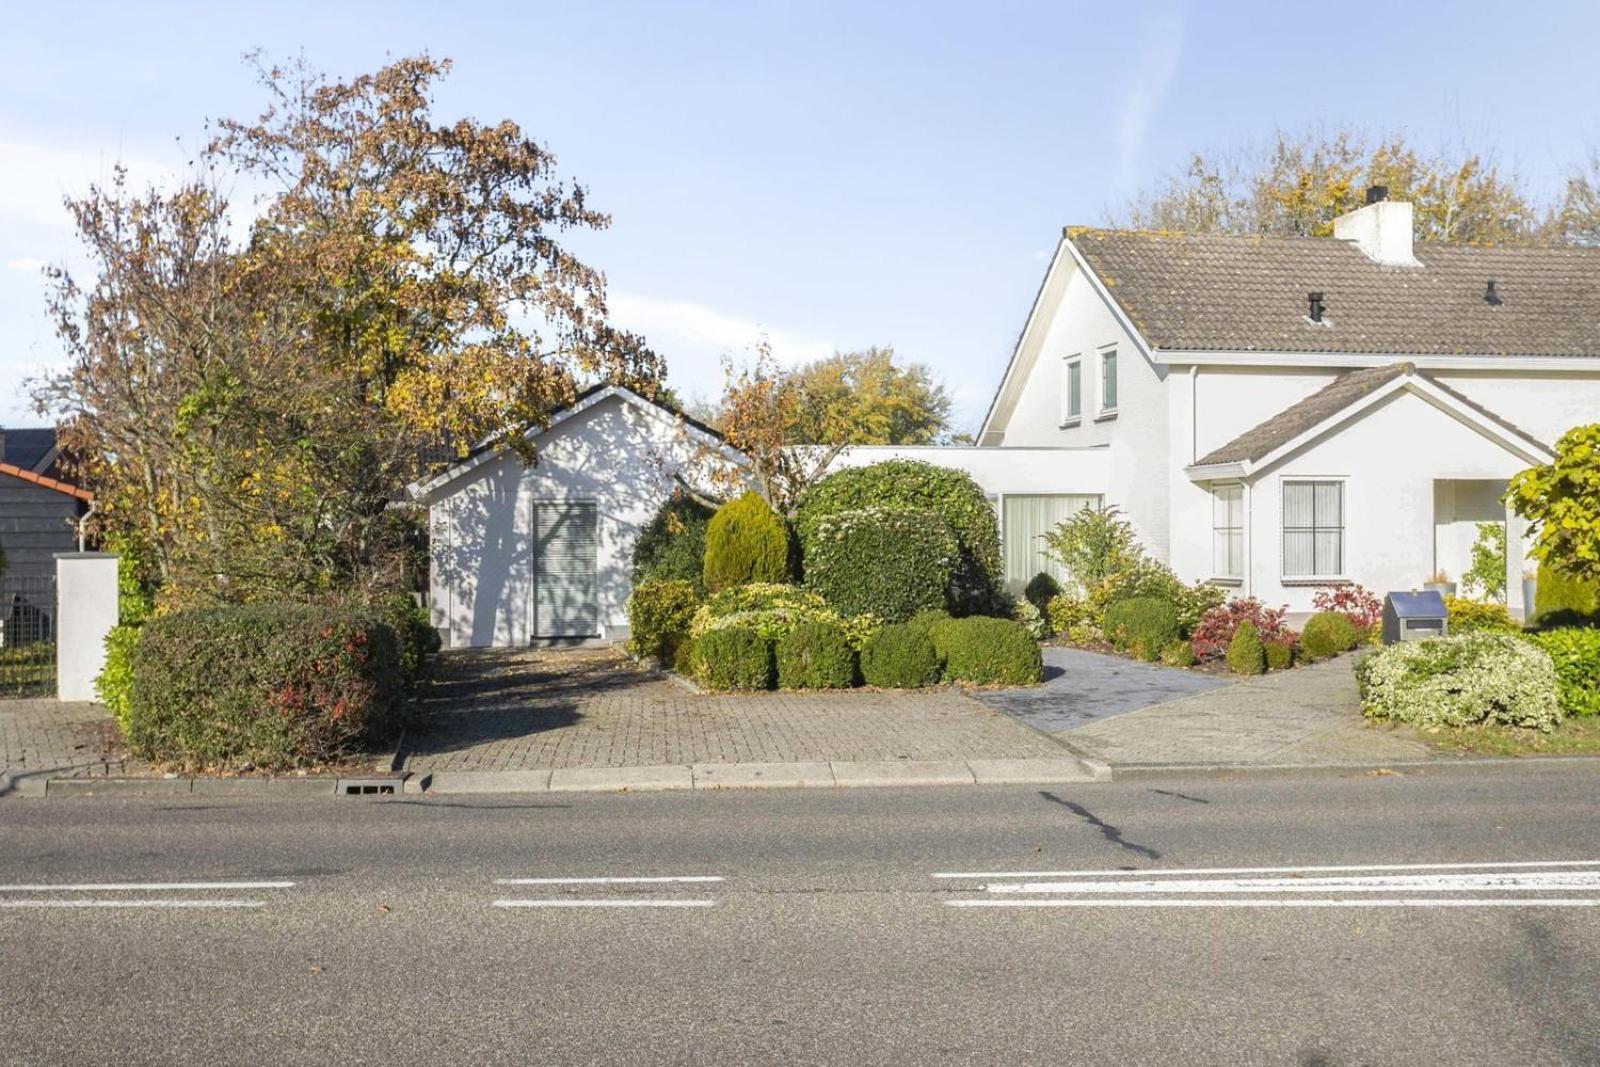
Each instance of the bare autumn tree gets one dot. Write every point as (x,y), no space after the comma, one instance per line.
(404,283)
(1300,184)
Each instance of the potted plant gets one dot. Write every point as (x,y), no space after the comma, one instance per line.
(1439,582)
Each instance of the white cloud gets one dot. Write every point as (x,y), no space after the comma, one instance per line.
(694,338)
(1152,76)
(27,263)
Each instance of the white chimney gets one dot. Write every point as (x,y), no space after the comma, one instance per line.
(1382,229)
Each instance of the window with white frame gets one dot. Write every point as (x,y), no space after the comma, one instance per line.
(1024,520)
(1227,531)
(1313,529)
(1108,380)
(1072,390)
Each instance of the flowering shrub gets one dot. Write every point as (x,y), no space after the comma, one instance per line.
(1464,680)
(1355,602)
(1214,632)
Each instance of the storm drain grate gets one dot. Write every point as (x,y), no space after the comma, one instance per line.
(368,787)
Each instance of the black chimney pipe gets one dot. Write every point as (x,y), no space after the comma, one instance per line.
(1376,193)
(1314,306)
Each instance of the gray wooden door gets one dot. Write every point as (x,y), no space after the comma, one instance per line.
(565,598)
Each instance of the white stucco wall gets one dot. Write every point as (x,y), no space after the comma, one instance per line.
(1389,460)
(1004,470)
(1546,404)
(615,454)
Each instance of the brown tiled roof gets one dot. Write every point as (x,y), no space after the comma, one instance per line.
(1267,437)
(1248,294)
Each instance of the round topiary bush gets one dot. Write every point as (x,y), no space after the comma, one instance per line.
(888,562)
(815,655)
(900,656)
(1143,626)
(1280,654)
(987,651)
(1461,680)
(904,483)
(659,614)
(1246,654)
(746,541)
(1040,590)
(733,657)
(1328,633)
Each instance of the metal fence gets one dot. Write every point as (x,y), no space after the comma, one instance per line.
(27,635)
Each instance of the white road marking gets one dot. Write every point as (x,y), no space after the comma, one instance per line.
(1568,881)
(620,903)
(610,881)
(132,903)
(139,887)
(1320,902)
(1180,871)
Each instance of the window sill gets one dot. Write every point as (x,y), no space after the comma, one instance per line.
(1315,579)
(1106,416)
(1224,580)
(1071,421)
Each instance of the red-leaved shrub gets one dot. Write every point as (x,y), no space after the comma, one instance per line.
(1215,630)
(1355,602)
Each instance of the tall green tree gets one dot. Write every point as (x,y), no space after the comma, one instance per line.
(866,398)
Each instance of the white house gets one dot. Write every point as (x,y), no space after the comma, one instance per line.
(1272,414)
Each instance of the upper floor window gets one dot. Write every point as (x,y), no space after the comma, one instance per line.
(1227,531)
(1313,529)
(1108,380)
(1072,391)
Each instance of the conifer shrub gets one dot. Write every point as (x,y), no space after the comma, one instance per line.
(746,542)
(1246,654)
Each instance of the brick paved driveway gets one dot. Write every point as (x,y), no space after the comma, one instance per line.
(524,709)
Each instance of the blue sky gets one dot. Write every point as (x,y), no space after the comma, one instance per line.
(830,175)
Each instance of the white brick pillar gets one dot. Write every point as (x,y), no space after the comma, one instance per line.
(86,610)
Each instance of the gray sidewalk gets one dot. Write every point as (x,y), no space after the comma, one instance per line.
(46,738)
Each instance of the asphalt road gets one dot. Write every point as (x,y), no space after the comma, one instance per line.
(828,938)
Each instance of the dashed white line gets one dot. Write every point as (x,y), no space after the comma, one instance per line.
(140,887)
(1234,902)
(649,880)
(608,903)
(1180,871)
(1569,881)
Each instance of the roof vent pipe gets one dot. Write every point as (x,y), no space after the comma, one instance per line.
(1376,193)
(1491,297)
(1314,307)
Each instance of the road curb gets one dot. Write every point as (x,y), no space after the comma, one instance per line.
(1145,771)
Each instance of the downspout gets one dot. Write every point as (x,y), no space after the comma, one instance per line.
(82,519)
(1194,412)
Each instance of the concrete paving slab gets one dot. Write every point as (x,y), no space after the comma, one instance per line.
(485,781)
(902,772)
(762,775)
(600,779)
(1019,771)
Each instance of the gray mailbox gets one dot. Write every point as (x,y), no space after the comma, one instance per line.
(1414,616)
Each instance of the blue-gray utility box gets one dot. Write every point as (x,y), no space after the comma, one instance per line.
(1414,617)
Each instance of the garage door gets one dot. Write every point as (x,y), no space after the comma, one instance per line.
(565,601)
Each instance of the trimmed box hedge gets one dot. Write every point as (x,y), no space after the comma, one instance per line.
(659,614)
(268,686)
(1328,633)
(987,651)
(887,562)
(733,657)
(815,655)
(900,656)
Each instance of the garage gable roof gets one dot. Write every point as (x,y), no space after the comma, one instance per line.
(485,451)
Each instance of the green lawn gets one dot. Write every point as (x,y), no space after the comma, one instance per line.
(1574,737)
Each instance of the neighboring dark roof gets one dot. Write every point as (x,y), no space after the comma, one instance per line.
(1248,294)
(26,447)
(1267,437)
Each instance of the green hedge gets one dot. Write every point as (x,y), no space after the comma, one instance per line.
(672,546)
(416,637)
(815,655)
(1328,633)
(659,614)
(1143,626)
(904,483)
(1466,616)
(746,541)
(1558,591)
(900,656)
(114,684)
(734,657)
(271,686)
(1461,680)
(888,562)
(1575,654)
(987,651)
